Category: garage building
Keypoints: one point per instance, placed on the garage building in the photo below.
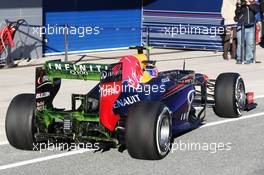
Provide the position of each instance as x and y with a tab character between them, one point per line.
111	24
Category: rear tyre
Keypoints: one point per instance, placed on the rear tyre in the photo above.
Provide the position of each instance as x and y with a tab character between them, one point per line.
230	96
148	131
19	122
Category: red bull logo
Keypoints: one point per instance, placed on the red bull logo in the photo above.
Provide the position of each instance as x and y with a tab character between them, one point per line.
116	69
132	71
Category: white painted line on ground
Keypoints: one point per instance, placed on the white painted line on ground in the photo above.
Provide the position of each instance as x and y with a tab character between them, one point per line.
4	143
42	159
233	120
259	96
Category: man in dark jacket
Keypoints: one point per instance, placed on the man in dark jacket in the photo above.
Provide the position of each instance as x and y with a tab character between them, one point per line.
245	15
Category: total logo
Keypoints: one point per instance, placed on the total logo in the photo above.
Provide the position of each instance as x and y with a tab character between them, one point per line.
127	101
110	89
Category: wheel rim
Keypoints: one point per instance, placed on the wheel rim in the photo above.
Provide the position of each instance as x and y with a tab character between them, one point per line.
240	96
163	133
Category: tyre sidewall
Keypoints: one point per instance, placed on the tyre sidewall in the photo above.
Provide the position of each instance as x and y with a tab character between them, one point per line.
141	130
225	95
20	121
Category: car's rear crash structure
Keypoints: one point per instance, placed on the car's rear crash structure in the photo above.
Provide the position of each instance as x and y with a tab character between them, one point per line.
127	117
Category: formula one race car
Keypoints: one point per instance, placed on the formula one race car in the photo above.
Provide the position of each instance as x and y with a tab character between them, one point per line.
132	107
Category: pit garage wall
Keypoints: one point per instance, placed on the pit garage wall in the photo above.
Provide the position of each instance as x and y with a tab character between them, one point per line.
110	24
28	44
165	17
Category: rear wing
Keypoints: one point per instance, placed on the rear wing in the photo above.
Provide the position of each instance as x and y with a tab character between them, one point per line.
48	78
48	82
67	70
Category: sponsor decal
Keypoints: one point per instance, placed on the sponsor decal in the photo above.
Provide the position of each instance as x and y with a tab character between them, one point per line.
165	80
42	95
109	94
76	69
190	98
73	72
127	101
42	79
116	69
132	71
40	105
106	74
110	89
113	74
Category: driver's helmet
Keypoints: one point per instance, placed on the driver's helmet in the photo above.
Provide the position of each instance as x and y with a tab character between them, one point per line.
152	71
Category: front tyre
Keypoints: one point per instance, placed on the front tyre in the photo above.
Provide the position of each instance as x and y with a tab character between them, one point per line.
148	131
230	95
19	121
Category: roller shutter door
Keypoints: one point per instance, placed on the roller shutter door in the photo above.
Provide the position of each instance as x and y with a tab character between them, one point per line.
93	25
170	20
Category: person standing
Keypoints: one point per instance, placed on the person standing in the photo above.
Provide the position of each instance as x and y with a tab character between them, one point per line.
246	16
261	3
229	37
258	26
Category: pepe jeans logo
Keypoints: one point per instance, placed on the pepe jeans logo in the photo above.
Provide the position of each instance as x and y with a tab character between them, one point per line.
42	95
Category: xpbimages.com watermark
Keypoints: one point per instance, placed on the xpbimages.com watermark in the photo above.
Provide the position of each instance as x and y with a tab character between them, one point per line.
172	31
55	146
213	147
212	31
112	89
80	31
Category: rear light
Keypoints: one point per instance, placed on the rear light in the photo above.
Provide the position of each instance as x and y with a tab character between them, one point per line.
250	97
206	78
250	102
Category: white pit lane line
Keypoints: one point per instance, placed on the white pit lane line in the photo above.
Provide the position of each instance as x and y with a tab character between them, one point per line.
42	159
56	156
232	120
260	96
3	143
